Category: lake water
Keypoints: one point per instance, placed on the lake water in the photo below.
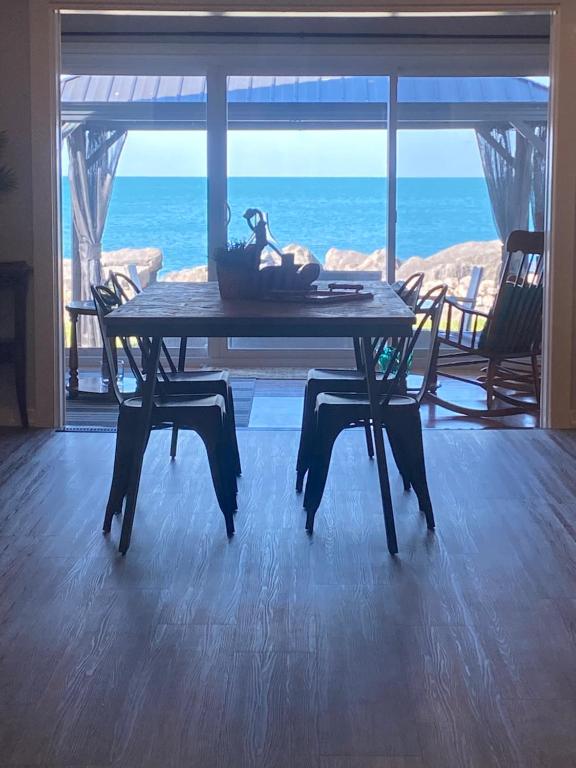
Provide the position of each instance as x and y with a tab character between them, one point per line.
320	213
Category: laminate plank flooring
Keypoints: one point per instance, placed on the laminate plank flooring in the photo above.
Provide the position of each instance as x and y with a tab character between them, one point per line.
275	649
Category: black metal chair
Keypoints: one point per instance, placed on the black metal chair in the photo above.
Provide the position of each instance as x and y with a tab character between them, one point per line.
409	289
179	381
400	414
342	380
204	414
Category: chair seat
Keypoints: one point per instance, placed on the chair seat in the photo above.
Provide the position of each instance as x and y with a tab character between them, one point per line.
453	338
327	374
339	378
180	401
359	401
199	376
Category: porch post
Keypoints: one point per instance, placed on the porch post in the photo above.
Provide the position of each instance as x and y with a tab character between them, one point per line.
392	178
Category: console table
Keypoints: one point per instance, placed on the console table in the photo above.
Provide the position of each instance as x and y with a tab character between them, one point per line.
14	278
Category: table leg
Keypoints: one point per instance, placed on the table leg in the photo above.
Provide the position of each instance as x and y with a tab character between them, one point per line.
374	398
73	358
140	440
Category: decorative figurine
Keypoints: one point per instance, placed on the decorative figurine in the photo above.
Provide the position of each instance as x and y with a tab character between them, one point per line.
288	276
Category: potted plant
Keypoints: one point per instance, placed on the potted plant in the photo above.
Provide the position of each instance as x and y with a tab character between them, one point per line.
237	268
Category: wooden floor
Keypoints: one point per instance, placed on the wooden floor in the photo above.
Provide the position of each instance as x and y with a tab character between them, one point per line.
276	650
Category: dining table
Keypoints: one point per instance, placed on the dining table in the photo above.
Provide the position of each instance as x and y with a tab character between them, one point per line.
179	309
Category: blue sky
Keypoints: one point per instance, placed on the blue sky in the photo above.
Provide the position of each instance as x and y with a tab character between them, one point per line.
451	153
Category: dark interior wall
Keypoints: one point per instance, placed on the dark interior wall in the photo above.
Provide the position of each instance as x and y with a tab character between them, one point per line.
16	208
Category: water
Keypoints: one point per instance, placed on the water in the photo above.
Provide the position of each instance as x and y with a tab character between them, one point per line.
320	213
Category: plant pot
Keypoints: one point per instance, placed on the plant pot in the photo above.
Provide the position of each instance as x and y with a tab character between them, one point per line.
237	283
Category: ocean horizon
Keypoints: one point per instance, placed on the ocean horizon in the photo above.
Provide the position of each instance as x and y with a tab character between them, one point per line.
317	212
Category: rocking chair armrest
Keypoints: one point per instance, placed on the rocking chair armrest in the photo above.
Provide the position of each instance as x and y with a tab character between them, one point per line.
462	300
462	328
453	302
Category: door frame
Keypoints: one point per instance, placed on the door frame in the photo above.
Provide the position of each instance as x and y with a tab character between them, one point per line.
558	364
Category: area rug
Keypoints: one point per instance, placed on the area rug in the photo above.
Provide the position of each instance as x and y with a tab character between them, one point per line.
100	415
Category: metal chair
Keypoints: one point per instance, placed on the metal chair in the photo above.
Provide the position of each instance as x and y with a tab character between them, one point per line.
204	414
400	414
505	342
342	380
179	381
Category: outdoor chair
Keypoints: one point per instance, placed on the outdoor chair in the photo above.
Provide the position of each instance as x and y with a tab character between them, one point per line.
504	343
343	380
203	414
400	415
179	381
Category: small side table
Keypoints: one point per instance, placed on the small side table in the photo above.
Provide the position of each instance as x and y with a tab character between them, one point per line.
14	276
75	310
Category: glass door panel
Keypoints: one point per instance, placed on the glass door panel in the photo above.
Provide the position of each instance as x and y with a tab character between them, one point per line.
471	157
311	153
133	193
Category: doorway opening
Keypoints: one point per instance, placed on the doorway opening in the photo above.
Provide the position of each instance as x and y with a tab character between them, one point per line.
374	170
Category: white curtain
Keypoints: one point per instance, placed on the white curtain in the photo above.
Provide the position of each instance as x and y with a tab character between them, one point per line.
94	154
507	162
538	185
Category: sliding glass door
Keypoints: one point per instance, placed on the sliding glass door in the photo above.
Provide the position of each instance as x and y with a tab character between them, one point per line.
369	176
310	152
134	192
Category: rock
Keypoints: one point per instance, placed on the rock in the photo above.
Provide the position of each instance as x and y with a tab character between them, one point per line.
302	255
188	275
453	266
148	262
344	259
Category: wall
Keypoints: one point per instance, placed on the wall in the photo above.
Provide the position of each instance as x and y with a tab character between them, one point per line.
16	240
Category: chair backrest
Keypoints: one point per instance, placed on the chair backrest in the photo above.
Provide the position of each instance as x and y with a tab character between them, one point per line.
105	301
124	287
524	261
474	284
409	290
428	313
135	277
515	323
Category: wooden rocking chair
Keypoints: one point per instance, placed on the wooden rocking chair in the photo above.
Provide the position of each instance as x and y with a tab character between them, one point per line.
505	342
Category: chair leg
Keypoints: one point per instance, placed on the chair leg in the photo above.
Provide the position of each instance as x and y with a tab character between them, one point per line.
231	418
215	437
490	374
216	459
325	434
407	432
369	442
305	445
402	461
174	442
132	496
123	458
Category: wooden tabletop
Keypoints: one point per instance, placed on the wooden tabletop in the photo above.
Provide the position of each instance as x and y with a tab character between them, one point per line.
196	309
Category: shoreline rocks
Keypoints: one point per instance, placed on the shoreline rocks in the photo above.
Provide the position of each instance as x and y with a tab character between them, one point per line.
451	265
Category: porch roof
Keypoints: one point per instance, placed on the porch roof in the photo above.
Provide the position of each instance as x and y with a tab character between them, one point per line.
167	101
